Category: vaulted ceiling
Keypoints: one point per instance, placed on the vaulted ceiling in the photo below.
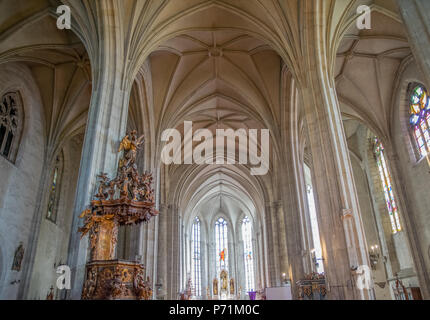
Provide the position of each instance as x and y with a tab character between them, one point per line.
218	79
367	65
217	63
58	61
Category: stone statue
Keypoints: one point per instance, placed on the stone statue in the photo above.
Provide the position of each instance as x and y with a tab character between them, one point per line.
215	286
232	286
17	260
224	281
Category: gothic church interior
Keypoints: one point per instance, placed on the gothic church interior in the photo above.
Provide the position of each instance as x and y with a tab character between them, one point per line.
342	212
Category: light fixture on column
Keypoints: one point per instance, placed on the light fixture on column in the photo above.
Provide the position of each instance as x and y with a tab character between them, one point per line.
374	256
284	280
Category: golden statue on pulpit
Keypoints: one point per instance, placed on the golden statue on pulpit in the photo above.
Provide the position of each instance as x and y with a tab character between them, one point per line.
232	287
130	144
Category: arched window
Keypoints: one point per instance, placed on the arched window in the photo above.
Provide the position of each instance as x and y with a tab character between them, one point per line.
385	176
221	245
420	119
10	125
248	254
316	251
196	263
54	192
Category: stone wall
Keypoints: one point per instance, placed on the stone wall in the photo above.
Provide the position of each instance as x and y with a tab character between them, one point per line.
20	180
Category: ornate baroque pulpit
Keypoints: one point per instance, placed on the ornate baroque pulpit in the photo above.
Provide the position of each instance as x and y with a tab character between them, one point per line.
313	287
128	199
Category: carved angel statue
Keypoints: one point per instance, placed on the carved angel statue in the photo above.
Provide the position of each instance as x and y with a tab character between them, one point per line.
130	144
142	288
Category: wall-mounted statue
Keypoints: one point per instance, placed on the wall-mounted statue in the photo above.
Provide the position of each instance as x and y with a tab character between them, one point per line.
215	287
19	255
224	280
50	295
232	286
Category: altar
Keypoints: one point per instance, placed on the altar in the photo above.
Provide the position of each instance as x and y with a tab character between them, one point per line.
222	288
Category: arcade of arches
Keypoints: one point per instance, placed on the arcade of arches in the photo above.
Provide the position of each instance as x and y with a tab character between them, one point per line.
348	113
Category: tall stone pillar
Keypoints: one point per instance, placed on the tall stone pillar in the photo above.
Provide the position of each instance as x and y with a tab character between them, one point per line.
416	18
162	253
282	238
173	253
272	246
342	236
341	231
107	120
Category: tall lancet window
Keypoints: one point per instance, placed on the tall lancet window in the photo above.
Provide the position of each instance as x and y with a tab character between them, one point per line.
387	185
54	192
221	245
248	254
420	119
316	250
196	256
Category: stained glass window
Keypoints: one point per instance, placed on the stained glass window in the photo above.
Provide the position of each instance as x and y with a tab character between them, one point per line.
248	254
196	264
420	119
387	185
54	190
221	245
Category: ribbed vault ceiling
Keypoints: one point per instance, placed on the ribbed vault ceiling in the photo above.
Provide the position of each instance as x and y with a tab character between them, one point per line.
218	79
367	67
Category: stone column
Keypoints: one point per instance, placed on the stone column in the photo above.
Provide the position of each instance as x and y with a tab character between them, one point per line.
339	218
282	238
342	236
173	253
106	125
416	18
162	252
272	246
